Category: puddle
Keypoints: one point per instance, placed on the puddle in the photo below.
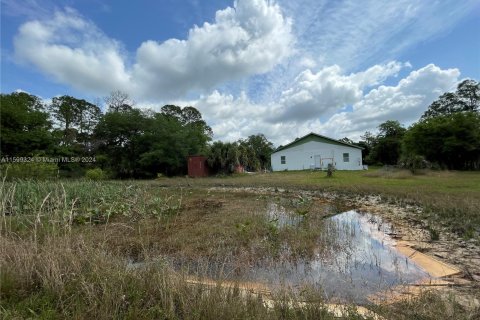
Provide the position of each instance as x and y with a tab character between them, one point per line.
283	217
360	261
355	259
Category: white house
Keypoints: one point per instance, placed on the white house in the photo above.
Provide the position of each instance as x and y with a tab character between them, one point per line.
315	151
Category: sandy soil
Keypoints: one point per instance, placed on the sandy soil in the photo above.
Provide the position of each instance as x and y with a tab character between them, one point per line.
460	258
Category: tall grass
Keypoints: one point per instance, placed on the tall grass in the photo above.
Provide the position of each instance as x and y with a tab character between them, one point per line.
57	205
52	267
56	257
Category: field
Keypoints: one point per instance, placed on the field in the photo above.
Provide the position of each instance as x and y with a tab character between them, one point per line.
131	249
451	199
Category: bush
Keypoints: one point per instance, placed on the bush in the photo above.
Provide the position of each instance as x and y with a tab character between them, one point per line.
29	170
95	174
414	163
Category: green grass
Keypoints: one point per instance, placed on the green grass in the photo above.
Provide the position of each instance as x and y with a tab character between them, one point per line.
449	182
451	199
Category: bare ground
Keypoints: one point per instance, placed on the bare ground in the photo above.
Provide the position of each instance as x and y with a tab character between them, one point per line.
409	229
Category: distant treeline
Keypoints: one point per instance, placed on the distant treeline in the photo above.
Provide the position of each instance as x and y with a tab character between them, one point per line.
71	136
447	136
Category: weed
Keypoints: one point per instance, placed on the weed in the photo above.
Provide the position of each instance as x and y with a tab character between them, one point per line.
65	246
434	234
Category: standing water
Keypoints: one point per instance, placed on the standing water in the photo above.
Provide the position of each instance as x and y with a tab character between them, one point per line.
355	257
361	260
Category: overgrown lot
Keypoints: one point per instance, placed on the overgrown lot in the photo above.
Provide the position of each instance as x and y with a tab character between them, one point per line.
450	199
70	249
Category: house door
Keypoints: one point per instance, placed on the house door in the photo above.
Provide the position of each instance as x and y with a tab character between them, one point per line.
318	161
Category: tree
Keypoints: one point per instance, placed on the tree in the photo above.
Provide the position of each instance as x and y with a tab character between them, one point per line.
195	131
390	128
387	147
451	140
448	133
188	116
468	92
253	153
138	144
247	156
169	143
256	151
172	111
25	125
367	143
223	156
346	140
465	99
76	119
118	101
120	135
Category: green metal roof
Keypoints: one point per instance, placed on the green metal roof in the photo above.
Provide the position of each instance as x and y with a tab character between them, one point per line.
315	137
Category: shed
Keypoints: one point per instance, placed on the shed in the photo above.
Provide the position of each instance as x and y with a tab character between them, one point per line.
314	151
197	166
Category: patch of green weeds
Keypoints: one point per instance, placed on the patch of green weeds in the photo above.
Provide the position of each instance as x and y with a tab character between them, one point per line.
434	233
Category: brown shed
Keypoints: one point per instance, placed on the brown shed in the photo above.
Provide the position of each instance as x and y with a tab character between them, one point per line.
197	166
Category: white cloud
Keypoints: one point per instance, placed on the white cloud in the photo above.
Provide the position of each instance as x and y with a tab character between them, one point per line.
233	118
73	51
230	118
289	75
357	34
316	94
405	102
224	106
250	38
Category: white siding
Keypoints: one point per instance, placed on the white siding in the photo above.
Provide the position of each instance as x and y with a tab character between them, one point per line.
302	157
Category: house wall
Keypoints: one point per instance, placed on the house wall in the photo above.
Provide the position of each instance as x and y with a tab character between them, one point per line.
302	157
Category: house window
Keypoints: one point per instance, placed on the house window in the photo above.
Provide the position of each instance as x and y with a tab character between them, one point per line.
346	157
283	160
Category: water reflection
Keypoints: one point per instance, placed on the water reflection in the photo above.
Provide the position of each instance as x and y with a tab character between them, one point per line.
283	217
355	258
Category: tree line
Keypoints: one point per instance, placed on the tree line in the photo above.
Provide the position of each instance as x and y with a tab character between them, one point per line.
127	142
446	136
123	141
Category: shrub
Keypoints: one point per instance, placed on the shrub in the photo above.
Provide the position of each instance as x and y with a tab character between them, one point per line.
95	174
29	170
414	163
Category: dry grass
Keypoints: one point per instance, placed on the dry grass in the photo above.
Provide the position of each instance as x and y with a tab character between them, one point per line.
65	247
74	277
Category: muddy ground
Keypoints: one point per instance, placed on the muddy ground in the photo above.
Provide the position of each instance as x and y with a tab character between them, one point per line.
409	229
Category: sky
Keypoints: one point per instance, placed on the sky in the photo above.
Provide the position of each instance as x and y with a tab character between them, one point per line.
282	68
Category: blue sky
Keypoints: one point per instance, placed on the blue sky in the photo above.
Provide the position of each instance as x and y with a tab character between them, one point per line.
282	68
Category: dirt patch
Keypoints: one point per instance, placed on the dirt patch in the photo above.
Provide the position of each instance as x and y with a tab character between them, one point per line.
458	258
434	267
449	250
205	204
